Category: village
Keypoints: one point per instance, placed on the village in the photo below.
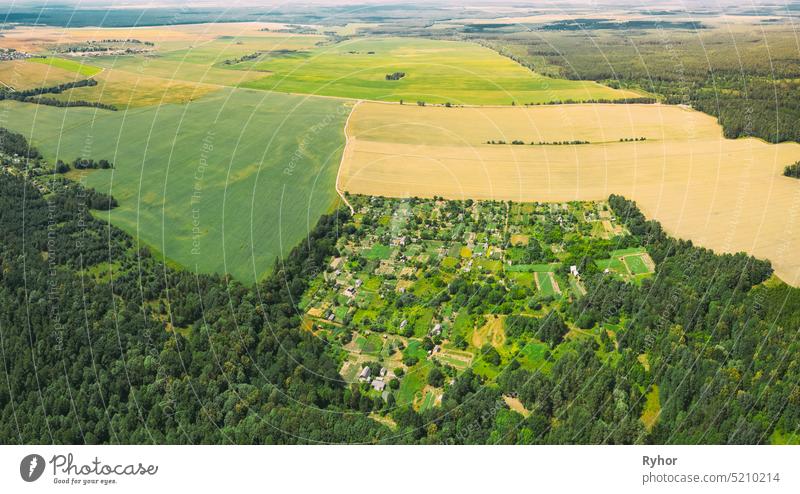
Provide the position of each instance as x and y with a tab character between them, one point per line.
422	289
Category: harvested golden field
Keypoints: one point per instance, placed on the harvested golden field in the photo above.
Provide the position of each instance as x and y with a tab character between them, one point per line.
729	195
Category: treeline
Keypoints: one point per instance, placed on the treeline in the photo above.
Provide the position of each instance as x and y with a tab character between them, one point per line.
623	101
35	95
83	164
518	142
12	143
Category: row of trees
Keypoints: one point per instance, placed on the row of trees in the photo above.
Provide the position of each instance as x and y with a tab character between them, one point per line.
83	164
36	95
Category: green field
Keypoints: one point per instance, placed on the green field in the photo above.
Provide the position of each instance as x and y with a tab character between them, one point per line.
412	383
546	284
532	268
612	264
435	72
428	401
66	64
636	264
533	355
228	183
370	344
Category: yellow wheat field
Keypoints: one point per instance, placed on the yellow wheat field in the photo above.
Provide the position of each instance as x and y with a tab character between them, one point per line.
724	194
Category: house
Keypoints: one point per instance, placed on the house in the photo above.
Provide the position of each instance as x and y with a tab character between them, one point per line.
383	371
437	330
364	374
573	270
359	283
403	323
378	384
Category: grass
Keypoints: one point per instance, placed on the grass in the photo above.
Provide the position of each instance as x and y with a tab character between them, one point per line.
532	268
436	72
20	75
128	90
223	184
652	408
412	383
378	251
415	349
546	284
370	344
428	401
534	352
68	64
636	264
612	264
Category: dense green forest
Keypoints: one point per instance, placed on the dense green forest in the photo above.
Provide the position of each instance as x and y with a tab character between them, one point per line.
749	78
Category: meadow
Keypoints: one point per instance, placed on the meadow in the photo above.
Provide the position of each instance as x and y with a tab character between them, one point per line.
228	183
435	72
729	195
69	65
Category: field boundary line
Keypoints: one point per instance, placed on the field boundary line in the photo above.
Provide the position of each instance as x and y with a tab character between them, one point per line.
344	155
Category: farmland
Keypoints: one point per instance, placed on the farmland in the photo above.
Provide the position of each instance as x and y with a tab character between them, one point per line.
435	72
21	74
68	65
183	64
225	184
728	195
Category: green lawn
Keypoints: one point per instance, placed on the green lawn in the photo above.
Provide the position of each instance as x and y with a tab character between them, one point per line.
546	284
370	344
628	251
415	349
533	354
412	383
435	72
613	264
378	251
428	401
66	64
636	264
228	183
532	268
